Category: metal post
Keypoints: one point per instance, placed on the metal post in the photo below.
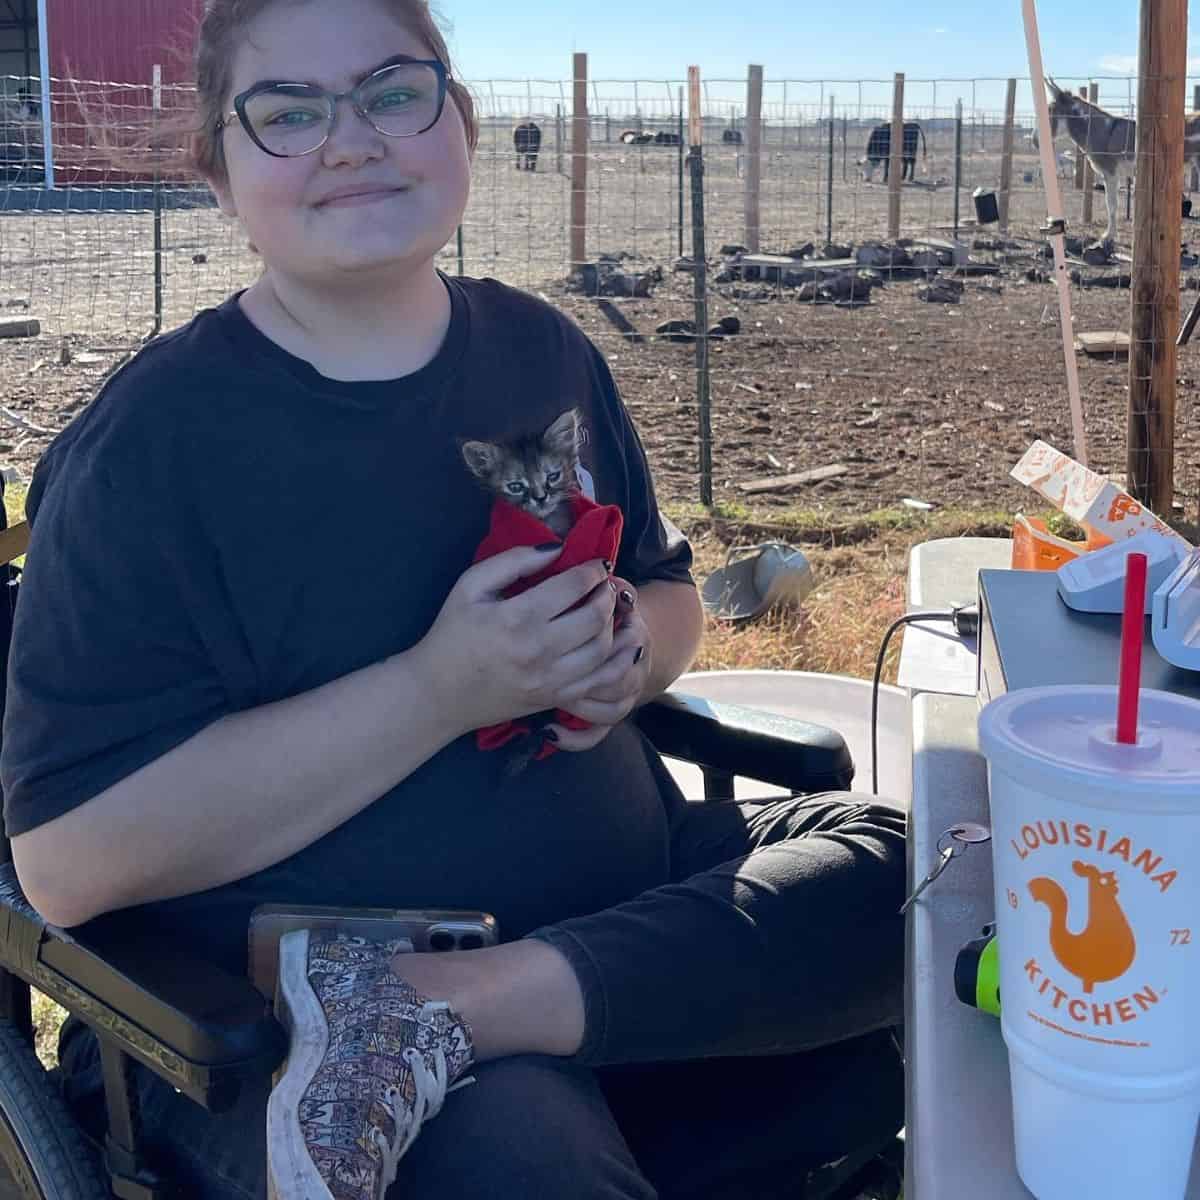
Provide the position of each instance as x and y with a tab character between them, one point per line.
26	44
47	119
158	238
462	270
958	140
844	133
896	162
700	287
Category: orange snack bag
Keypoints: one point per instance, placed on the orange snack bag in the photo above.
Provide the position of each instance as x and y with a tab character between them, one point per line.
1035	548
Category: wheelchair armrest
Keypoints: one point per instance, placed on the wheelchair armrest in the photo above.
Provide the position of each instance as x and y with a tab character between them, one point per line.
775	749
199	1027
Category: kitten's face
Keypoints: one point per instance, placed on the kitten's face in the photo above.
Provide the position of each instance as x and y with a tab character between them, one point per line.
535	473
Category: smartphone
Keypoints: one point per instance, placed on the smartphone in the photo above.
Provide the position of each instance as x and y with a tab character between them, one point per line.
429	930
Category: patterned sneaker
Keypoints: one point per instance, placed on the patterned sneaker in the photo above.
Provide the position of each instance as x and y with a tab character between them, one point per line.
369	1061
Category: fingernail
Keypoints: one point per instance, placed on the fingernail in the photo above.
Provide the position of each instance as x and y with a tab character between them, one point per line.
550	735
638	653
612	585
607	566
546	546
627	596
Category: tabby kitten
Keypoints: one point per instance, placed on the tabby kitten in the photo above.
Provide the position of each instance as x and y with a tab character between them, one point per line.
536	473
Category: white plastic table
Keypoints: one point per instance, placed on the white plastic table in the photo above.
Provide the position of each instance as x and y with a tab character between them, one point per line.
958	1119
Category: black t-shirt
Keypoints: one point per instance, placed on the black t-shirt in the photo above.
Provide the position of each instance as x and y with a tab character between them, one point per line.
225	527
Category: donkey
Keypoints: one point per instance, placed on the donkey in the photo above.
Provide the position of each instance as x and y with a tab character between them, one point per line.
1109	142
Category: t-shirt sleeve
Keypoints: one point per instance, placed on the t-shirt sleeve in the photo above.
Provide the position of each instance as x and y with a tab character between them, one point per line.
652	547
110	666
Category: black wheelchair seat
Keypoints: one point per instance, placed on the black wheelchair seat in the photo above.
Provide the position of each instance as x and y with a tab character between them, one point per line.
207	1032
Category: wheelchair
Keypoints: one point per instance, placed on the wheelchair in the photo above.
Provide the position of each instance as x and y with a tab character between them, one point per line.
207	1032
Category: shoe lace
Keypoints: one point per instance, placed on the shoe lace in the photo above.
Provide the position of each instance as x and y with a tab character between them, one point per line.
430	1088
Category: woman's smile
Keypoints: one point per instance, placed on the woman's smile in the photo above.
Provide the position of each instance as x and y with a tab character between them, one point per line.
355	199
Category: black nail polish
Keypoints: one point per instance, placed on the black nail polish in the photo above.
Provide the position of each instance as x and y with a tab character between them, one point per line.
638	655
608	566
547	546
550	735
627	597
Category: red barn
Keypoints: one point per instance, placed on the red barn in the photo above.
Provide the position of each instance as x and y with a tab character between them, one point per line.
100	56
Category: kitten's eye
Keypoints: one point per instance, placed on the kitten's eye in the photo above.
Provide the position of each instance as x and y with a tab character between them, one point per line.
553	476
515	488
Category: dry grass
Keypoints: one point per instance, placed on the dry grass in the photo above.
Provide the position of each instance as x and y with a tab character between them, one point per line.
860	571
859	592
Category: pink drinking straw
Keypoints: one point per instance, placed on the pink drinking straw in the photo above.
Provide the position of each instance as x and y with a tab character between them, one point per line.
1132	625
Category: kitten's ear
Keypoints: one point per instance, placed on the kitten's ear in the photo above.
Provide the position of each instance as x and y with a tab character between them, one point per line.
563	435
480	457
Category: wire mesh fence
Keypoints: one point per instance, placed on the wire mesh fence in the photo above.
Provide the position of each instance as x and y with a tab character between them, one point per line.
871	365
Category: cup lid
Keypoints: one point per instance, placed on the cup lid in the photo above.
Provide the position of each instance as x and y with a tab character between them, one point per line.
1070	732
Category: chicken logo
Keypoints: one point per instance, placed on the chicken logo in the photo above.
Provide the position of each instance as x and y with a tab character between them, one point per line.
1105	948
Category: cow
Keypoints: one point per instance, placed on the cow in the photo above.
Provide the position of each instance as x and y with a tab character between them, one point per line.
667	139
527	142
635	137
879	150
731	137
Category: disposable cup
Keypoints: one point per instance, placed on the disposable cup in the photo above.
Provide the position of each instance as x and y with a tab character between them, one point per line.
1096	853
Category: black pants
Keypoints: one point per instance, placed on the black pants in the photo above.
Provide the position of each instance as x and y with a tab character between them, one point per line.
737	1032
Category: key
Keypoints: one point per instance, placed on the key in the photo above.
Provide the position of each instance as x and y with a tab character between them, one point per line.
953	842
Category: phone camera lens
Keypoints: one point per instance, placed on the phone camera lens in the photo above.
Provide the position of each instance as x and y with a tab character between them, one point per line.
441	939
470	941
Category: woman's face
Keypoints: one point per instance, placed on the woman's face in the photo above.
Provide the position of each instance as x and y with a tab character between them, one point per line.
364	202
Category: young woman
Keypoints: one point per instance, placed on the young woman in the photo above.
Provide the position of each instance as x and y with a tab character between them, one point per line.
251	651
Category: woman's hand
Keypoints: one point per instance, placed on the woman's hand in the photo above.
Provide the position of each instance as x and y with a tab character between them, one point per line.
487	659
609	694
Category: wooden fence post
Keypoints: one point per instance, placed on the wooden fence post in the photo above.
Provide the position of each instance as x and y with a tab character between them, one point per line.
754	90
1154	296
1194	180
580	136
1080	161
1089	176
896	163
1006	153
958	140
829	180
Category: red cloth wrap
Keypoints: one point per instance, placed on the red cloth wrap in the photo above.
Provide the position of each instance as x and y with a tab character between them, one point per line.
596	533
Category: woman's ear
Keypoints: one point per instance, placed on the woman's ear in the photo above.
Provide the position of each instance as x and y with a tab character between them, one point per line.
221	190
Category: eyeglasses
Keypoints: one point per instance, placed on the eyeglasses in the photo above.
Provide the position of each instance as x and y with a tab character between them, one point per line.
288	120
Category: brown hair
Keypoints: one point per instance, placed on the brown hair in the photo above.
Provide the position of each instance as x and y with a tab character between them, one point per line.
220	30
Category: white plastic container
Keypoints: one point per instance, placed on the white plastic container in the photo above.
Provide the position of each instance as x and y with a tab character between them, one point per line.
836	701
1096	855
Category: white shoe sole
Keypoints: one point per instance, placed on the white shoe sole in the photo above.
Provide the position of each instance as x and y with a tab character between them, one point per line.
291	1172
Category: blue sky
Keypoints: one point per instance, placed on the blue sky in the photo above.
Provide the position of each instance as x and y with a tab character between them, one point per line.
800	39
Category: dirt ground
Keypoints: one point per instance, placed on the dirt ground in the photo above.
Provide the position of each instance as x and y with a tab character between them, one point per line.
931	402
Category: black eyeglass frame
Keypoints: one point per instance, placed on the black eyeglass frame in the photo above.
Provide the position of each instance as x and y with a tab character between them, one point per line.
332	98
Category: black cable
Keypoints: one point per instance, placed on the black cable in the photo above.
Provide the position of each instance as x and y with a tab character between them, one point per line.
964	618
